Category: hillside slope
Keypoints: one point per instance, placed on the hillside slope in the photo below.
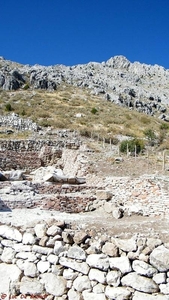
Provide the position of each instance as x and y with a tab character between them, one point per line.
135	85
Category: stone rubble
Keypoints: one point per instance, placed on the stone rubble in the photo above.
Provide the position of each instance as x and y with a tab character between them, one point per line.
65	270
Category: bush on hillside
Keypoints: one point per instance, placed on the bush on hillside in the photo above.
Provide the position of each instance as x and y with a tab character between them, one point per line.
8	107
131	145
151	136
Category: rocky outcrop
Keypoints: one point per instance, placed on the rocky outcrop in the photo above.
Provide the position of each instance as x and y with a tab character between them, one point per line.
134	85
51	258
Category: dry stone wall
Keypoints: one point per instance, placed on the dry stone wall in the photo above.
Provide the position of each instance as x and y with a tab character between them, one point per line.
31	154
50	258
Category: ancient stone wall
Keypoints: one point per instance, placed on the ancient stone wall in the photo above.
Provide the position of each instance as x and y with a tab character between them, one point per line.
140	196
31	154
51	258
146	195
37	144
64	198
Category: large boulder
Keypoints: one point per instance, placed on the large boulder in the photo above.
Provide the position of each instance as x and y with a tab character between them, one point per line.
140	283
8	273
159	258
54	285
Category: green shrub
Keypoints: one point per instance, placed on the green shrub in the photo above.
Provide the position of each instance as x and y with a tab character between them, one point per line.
8	107
150	135
94	110
131	144
164	126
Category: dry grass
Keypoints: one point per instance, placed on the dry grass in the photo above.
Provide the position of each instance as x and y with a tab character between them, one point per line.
71	107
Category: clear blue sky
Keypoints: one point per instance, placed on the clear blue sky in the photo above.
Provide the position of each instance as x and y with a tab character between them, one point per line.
70	32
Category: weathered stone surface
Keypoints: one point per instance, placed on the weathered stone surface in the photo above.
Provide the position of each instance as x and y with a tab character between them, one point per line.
108	207
69	274
99	261
54	230
159	258
126	245
113	278
99	288
19	247
43	266
8	273
26	255
10	233
97	275
82	283
95	248
76	252
103	195
30	269
67	237
160	278
7	243
42	250
53	259
7	255
117	213
88	296
153	243
122	263
164	288
110	249
30	286
80	237
55	285
141	296
120	293
40	230
142	268
81	267
16	175
20	264
74	295
28	238
59	247
140	283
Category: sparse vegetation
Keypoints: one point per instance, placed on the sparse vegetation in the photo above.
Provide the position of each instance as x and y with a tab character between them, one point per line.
99	117
151	136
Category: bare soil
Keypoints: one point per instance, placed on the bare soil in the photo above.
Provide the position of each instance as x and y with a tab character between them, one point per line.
95	222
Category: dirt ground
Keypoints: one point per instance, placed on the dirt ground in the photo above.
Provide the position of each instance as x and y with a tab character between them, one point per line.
103	164
95	222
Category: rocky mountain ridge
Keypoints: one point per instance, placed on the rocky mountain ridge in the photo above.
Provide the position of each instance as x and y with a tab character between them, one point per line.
138	86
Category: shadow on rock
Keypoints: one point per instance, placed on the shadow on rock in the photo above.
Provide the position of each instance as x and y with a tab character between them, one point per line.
3	206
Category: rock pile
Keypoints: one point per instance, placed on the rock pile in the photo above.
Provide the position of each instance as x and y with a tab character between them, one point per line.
14	121
50	258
